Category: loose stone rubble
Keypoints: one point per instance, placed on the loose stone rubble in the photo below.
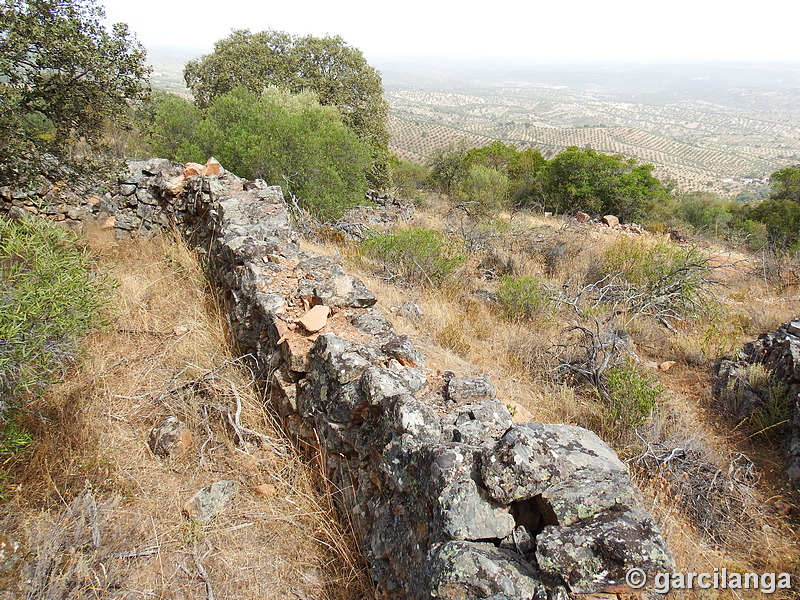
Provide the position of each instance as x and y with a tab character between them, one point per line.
449	498
779	353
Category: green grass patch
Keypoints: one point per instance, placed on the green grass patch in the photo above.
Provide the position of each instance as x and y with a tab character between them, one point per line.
632	396
525	297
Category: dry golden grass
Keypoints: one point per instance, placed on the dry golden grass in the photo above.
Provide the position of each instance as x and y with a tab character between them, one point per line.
100	516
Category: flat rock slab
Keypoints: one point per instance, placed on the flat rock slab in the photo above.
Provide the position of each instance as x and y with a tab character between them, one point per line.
531	457
463	389
473	570
584	496
211	500
611	220
315	318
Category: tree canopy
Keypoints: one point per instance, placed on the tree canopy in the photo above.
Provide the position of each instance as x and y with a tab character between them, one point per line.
600	183
781	211
62	75
283	138
338	74
786	184
574	180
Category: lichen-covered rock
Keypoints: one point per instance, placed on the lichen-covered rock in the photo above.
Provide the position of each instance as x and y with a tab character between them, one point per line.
170	438
466	512
410	310
594	555
586	494
479	423
477	571
460	509
531	457
379	383
340	360
408	414
347	291
461	389
401	348
372	322
211	500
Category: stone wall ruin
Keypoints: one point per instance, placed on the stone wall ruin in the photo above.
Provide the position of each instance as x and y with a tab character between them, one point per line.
448	496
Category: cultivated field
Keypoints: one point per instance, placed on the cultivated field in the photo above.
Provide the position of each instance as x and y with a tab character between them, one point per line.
697	131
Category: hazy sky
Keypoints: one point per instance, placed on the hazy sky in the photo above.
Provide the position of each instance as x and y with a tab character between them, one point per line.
555	29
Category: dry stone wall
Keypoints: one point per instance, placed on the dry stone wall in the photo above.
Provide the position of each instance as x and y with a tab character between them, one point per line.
448	496
745	396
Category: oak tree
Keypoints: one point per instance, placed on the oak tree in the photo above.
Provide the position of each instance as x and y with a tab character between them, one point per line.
63	74
335	72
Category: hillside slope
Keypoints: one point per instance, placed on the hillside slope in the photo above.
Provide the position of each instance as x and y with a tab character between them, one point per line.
100	516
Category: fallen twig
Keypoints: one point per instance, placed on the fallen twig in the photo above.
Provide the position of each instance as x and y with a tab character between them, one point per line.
203	574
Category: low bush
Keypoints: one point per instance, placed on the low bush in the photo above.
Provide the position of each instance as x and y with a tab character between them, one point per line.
49	299
525	297
659	280
416	255
632	397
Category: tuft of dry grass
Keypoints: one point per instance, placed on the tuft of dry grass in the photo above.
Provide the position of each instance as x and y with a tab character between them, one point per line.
99	516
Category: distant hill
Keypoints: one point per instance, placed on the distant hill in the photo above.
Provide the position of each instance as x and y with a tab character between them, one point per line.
706	126
168	66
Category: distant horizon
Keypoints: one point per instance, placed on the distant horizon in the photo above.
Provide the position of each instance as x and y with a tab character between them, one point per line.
517	60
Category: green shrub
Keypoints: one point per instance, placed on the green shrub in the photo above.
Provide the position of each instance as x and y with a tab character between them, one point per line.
408	178
632	397
174	128
286	139
600	184
752	234
417	255
524	297
49	299
707	213
781	217
447	165
485	188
